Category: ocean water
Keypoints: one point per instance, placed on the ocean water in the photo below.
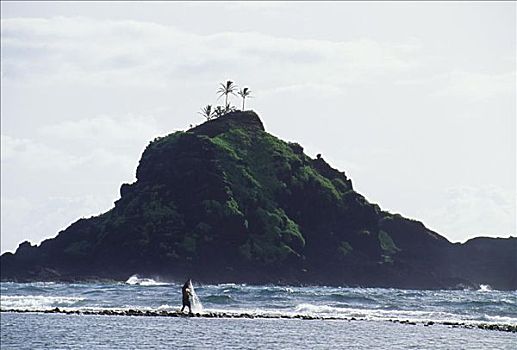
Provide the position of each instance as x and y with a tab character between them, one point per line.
253	317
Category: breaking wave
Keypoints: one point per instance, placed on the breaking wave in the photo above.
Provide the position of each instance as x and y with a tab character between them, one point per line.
37	302
135	280
484	288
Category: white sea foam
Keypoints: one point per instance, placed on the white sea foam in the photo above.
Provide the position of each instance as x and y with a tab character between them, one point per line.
501	319
41	303
196	303
135	280
325	311
166	307
310	308
376	314
484	288
36	302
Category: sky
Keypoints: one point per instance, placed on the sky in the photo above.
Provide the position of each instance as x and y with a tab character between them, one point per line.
416	102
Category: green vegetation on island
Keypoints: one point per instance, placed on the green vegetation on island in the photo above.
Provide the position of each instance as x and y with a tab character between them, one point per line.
227	201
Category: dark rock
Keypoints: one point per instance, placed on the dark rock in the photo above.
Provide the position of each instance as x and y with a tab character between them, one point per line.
492	327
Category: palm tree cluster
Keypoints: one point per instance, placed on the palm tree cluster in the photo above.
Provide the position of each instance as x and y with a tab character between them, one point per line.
225	89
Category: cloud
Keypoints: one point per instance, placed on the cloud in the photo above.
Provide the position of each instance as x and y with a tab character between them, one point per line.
71	148
30	156
33	155
477	86
252	5
33	219
469	211
467	85
107	52
69	169
322	90
103	130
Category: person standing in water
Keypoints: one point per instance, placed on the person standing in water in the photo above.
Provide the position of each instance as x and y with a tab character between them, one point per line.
186	294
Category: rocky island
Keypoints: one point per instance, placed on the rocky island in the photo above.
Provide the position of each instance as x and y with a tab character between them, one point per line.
228	202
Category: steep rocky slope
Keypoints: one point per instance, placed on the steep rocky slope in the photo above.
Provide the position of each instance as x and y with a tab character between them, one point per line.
227	201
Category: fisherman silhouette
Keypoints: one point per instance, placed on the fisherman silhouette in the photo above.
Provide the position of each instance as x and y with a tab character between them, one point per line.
186	294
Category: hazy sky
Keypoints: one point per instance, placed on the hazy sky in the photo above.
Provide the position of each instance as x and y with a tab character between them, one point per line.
416	102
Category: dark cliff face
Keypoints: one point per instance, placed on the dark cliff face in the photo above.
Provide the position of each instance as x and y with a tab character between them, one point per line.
491	261
226	201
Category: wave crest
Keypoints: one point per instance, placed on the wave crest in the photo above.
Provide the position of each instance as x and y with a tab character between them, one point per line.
37	302
484	288
135	280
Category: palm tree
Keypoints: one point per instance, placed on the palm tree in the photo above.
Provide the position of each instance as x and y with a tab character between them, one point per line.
244	93
227	89
207	112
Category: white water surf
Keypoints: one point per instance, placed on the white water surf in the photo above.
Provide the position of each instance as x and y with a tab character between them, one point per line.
195	302
135	280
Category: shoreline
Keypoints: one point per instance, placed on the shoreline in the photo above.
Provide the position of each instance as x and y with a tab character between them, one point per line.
218	314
